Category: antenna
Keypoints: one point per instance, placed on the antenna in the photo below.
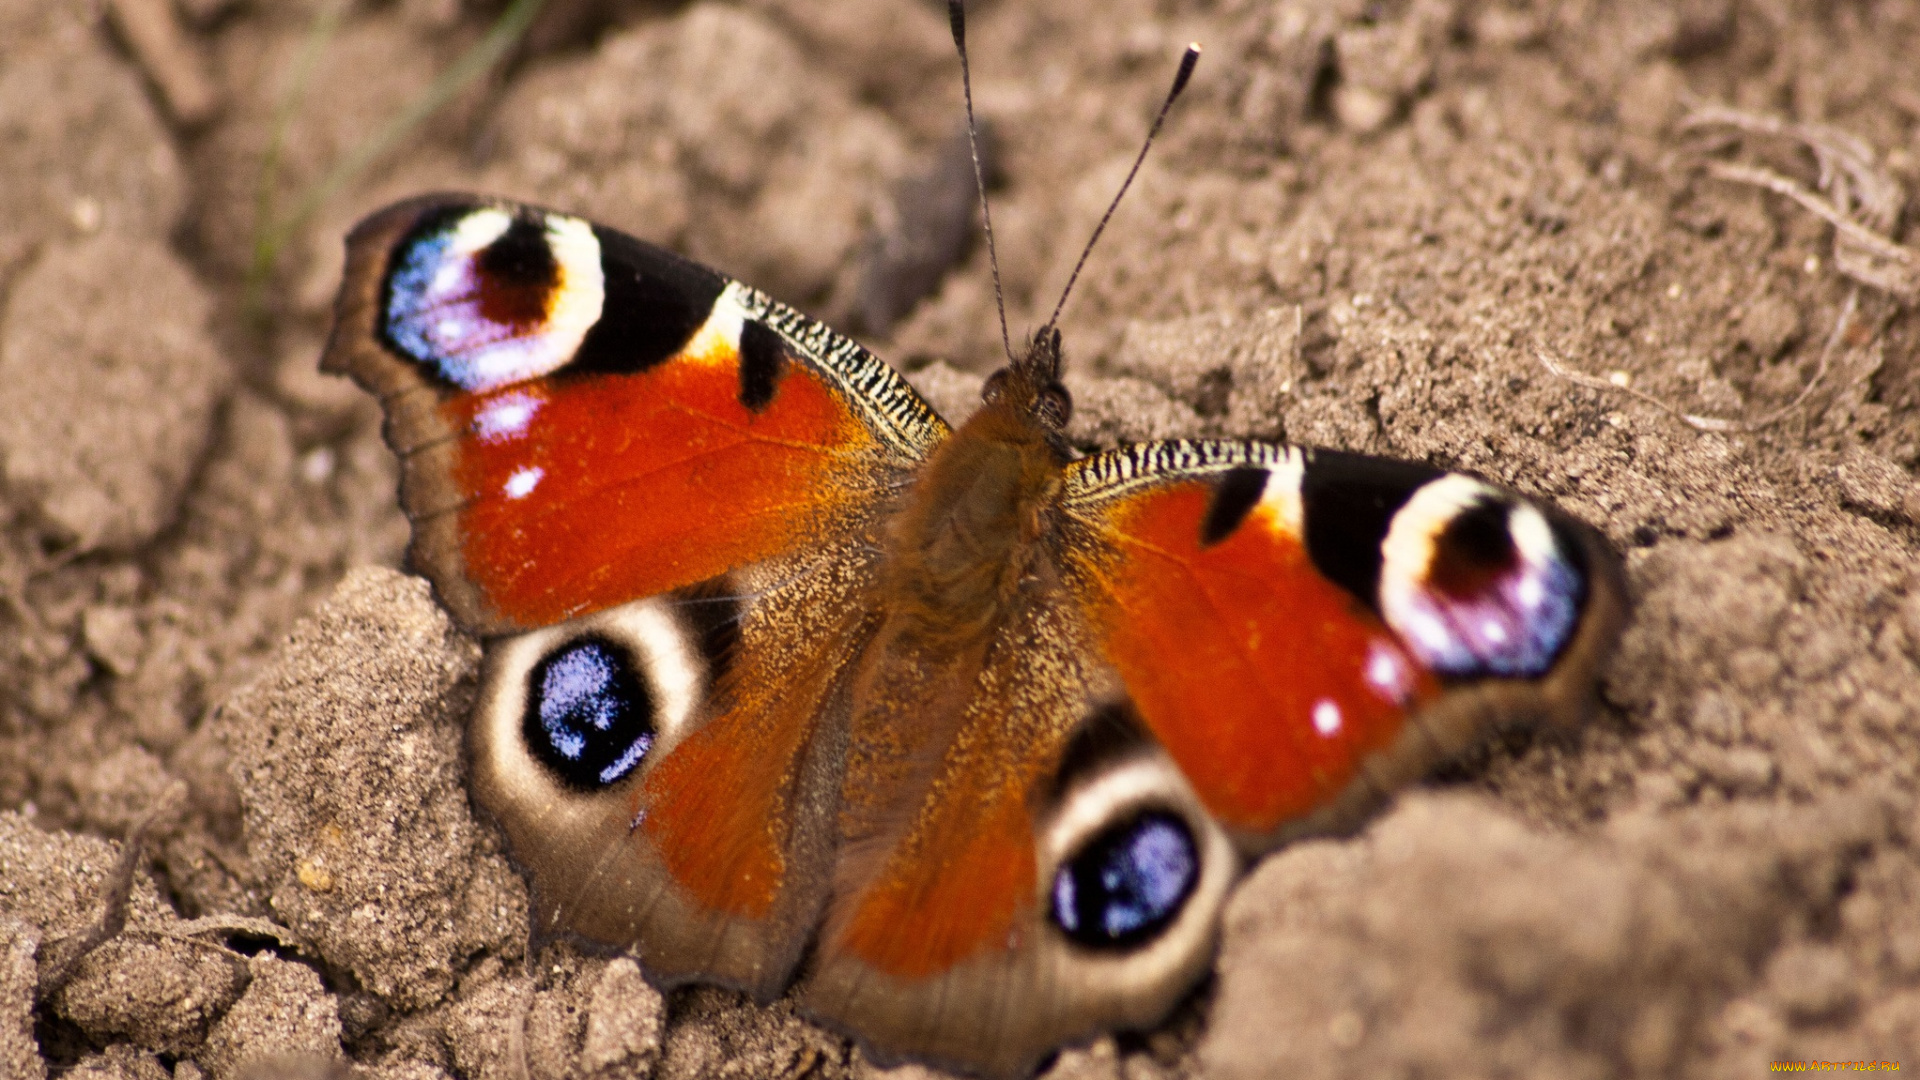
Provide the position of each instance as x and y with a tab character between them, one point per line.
1187	61
957	15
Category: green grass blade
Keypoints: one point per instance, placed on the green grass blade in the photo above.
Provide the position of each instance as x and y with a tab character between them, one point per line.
487	52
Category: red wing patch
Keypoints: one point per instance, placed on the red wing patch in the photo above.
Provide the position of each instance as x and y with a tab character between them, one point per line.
584	493
718	807
1265	681
960	881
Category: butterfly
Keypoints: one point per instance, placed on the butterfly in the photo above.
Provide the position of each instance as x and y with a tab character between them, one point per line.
956	734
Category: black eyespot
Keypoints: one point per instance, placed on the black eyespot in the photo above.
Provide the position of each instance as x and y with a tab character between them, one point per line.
520	266
1107	736
589	716
1234	497
655	302
711	613
1480	532
763	360
1129	883
1474	548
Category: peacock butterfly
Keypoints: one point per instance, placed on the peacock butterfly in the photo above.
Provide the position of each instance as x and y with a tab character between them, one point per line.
958	734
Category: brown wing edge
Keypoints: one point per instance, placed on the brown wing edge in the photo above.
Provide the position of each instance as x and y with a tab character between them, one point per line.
410	403
353	348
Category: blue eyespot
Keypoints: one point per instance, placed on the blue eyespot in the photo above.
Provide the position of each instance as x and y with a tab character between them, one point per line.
487	297
1479	584
589	717
1129	883
1508	609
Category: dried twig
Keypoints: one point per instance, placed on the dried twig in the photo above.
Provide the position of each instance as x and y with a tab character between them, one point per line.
516	1066
169	58
1846	161
295	1066
1862	203
1858	198
223	925
113	910
1716	423
1878	262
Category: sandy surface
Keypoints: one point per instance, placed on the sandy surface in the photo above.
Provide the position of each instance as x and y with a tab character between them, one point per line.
1364	228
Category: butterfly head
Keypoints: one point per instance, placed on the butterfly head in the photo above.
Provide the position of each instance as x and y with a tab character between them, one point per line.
1030	387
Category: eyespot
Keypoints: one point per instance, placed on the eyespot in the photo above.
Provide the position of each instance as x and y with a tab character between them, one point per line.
589	716
1473	550
1129	883
484	296
1477	583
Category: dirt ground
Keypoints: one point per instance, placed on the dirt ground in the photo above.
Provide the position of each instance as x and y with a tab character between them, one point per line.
1575	246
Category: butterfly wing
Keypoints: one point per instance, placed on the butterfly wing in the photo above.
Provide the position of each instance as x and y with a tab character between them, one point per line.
665	769
1230	644
1306	631
583	419
656	492
1033	871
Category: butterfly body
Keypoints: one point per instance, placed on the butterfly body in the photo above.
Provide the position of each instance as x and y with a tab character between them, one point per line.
970	534
955	734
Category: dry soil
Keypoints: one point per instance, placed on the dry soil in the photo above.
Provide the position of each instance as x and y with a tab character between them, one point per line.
1511	237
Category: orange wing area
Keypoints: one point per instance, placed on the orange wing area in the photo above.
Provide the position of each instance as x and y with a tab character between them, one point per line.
720	806
717	808
947	750
1266	682
960	884
934	808
584	493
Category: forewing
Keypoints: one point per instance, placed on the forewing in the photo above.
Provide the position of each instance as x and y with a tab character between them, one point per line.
1307	631
583	419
